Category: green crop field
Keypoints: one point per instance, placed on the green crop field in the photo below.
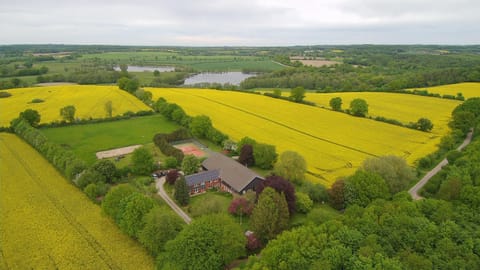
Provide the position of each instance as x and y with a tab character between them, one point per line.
198	63
47	223
86	140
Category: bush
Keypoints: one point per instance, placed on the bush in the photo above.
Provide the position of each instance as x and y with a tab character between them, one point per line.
4	94
37	100
170	163
304	203
453	155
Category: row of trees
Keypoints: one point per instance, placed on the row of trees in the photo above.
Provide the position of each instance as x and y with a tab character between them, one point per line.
140	217
199	126
359	107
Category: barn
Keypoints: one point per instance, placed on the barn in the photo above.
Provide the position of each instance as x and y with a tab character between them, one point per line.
223	173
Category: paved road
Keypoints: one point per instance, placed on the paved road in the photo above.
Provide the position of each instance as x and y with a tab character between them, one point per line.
159	183
414	190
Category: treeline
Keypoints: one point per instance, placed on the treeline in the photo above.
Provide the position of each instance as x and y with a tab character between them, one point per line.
199	126
29	71
346	77
64	160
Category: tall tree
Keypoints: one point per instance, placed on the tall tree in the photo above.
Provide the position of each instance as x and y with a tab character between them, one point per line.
336	194
106	168
291	166
182	192
245	140
359	107
142	161
210	242
265	155
297	94
281	185
108	108
31	116
68	113
246	155
137	206
336	103
172	177
270	215
190	164
424	124
394	170
200	125
363	187
160	227
111	202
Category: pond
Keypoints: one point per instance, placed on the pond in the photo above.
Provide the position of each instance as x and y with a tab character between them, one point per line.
147	68
233	77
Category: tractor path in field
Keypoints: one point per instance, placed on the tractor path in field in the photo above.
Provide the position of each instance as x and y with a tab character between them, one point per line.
414	190
161	191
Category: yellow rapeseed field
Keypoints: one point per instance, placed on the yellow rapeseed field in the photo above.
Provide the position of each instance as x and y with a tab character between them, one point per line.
467	89
89	101
402	107
333	144
47	223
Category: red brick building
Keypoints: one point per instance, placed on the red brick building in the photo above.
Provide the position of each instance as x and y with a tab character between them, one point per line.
223	173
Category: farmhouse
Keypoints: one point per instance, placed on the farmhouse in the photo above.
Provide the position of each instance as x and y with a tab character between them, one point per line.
223	173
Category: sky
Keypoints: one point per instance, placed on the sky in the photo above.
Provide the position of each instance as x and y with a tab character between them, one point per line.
240	22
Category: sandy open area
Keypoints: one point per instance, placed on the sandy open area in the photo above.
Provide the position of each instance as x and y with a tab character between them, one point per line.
117	151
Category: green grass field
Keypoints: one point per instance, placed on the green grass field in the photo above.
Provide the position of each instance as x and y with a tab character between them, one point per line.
86	140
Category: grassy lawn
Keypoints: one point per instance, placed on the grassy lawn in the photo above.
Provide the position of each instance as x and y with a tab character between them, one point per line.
208	203
86	140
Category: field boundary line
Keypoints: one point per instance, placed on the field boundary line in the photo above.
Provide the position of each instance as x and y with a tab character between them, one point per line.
286	126
91	241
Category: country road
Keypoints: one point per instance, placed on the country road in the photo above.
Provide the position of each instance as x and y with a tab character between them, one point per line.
414	190
161	191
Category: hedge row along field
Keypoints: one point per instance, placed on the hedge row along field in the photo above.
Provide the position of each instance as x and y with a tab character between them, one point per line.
89	101
46	223
468	90
333	144
401	107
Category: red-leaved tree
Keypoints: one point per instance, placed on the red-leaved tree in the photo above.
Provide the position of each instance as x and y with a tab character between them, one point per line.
240	206
246	155
281	186
172	176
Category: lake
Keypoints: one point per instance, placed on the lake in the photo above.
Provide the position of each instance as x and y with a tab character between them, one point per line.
233	77
145	68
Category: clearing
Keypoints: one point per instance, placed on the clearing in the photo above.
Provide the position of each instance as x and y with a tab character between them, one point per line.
47	223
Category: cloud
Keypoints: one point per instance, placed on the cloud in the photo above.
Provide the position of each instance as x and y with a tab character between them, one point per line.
236	22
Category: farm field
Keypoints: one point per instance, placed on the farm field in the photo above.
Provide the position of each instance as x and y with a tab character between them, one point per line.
471	89
86	140
89	101
198	63
402	107
47	223
332	143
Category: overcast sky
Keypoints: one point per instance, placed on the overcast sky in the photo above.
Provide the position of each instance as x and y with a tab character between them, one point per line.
240	22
